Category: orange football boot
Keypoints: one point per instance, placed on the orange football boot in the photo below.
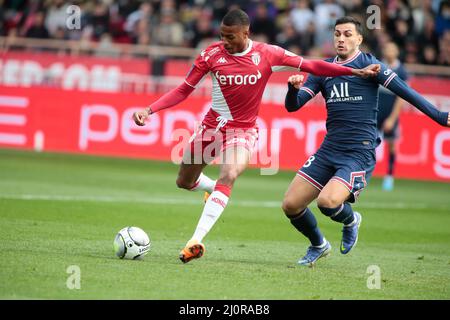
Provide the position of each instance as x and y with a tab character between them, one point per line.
193	250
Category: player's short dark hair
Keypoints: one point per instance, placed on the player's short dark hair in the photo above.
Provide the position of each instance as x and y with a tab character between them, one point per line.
236	17
348	19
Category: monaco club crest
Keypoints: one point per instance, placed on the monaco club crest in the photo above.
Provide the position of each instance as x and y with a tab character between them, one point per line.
256	58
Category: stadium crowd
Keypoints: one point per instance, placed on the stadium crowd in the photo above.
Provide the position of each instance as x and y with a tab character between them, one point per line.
421	28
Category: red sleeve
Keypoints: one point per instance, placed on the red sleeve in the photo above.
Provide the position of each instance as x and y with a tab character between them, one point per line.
323	68
280	58
172	97
198	70
175	96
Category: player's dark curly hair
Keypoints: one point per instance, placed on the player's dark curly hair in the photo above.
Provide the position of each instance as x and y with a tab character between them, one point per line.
348	19
236	17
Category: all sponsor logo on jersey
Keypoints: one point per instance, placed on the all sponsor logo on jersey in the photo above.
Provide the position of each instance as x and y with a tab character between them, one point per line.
256	58
237	79
340	93
343	92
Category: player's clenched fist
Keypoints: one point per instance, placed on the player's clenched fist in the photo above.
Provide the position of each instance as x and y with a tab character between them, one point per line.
296	80
139	117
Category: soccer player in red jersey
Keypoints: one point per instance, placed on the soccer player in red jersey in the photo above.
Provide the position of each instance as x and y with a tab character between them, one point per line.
240	69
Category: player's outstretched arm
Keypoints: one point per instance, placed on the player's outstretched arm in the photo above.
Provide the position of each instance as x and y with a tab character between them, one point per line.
327	69
400	88
170	99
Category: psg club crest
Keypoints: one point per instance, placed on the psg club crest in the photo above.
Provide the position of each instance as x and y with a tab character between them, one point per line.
256	58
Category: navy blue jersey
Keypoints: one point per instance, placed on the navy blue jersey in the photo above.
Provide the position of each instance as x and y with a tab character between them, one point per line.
387	98
352	103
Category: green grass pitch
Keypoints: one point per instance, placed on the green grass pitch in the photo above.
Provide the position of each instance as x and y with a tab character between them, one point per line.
58	211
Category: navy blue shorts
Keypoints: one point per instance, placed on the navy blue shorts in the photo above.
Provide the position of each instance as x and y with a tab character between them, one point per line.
352	168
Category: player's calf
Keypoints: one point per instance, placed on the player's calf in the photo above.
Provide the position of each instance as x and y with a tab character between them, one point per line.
342	213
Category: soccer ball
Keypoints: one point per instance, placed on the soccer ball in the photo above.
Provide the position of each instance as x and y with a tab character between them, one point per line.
131	243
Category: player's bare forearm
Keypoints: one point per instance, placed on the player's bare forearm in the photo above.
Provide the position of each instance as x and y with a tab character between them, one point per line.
369	71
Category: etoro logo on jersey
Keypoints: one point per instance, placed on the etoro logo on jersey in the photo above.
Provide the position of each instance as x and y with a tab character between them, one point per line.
238	79
340	93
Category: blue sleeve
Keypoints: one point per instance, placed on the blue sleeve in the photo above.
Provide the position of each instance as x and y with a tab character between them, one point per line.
386	74
312	86
297	98
400	88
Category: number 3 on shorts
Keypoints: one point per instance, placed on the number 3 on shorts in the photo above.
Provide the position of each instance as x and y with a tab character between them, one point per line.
309	161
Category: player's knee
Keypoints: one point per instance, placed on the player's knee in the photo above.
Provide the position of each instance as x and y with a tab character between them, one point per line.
289	208
328	201
229	177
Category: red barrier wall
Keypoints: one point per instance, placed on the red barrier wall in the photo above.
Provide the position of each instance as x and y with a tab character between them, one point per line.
100	123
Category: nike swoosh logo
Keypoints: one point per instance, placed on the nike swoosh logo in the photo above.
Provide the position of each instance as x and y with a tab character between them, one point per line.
342	247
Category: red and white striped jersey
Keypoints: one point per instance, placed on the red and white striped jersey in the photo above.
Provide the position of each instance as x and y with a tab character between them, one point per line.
239	80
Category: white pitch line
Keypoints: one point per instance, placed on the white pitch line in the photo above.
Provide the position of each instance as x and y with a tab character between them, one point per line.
239	203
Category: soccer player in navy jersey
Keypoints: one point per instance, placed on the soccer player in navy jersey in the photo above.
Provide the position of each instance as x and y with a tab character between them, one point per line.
389	107
240	69
342	166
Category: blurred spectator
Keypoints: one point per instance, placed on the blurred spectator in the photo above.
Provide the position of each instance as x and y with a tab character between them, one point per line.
443	18
200	28
2	20
141	20
99	20
428	35
169	32
106	47
400	33
418	27
38	29
421	14
411	53
444	48
302	16
399	10
352	7
289	39
56	16
326	14
262	23
429	55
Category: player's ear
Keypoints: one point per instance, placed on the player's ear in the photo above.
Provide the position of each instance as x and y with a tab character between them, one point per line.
360	39
246	31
